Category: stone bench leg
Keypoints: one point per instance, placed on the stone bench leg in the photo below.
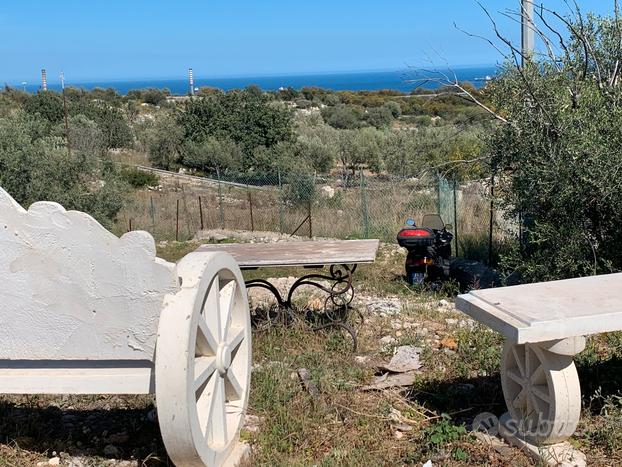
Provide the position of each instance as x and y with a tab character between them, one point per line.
541	390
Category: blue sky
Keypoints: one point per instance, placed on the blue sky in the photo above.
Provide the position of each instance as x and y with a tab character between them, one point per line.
138	39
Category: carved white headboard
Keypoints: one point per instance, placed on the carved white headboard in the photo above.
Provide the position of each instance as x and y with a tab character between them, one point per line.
71	290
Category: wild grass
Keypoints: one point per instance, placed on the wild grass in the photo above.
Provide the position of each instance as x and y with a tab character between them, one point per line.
341	425
378	210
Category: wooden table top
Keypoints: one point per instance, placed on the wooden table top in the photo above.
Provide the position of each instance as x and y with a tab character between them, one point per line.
549	310
302	253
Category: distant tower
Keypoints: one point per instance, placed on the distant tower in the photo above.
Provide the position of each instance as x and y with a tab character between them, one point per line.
44	80
191	81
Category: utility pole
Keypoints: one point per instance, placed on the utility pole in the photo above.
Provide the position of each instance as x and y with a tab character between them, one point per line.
62	85
528	35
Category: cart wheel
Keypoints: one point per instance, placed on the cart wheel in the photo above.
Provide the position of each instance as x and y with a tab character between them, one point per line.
203	361
541	391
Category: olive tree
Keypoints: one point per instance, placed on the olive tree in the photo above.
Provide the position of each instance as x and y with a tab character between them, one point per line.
316	153
379	117
46	104
343	117
85	135
557	153
35	166
246	117
213	155
163	140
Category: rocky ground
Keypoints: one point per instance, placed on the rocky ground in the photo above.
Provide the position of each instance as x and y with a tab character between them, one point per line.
422	371
225	235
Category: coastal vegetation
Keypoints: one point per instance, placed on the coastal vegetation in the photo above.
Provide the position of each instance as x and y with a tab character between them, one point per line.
552	165
541	147
245	132
304	130
557	163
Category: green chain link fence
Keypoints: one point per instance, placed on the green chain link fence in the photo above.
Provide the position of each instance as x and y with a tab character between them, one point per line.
354	205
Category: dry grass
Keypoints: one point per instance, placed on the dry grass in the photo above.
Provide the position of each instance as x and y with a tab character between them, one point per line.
343	216
35	428
343	425
346	426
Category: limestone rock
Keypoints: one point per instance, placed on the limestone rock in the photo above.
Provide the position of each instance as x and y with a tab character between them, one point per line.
327	191
406	359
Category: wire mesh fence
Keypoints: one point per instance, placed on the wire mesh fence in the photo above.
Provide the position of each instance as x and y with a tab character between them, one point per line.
358	205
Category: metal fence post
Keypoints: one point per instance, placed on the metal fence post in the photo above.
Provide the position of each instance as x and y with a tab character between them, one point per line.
455	219
177	223
364	206
220	206
186	211
438	193
310	221
250	207
281	209
201	213
152	213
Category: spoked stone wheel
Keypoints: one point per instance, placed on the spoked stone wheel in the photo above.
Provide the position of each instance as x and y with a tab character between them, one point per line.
203	362
541	391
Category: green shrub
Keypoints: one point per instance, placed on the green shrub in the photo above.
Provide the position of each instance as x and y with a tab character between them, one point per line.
155	96
47	105
303	104
139	178
298	190
343	116
380	117
35	166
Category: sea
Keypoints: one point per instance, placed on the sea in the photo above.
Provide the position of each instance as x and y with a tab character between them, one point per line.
400	80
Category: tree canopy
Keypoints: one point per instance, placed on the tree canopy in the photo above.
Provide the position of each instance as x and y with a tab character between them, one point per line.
558	156
34	166
248	118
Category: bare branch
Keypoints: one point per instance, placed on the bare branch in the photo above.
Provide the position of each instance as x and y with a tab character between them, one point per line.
485	39
479	103
587	49
515	54
562	43
547	42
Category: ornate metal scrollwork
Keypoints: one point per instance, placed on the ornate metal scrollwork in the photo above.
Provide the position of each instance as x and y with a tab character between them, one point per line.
340	294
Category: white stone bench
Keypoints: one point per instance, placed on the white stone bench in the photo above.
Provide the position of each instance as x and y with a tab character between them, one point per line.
85	312
545	325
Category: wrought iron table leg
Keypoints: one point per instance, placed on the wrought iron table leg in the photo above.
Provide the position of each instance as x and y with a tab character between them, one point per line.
340	295
264	284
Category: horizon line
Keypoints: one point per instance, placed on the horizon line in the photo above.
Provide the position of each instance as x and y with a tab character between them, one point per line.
69	82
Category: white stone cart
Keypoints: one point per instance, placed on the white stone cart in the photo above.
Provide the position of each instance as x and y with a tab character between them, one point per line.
85	312
545	325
